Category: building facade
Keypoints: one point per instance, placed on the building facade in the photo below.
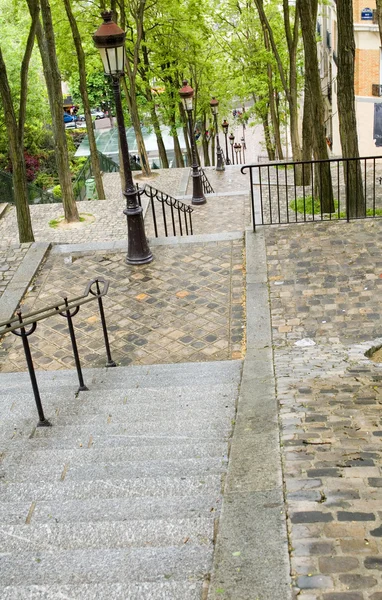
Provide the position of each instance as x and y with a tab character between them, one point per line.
367	76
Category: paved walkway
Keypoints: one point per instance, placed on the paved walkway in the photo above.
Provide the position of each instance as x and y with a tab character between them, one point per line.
11	257
325	283
185	306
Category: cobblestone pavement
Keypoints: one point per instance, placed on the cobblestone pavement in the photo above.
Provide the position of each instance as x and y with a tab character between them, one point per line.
186	306
11	256
166	180
325	283
220	214
230	180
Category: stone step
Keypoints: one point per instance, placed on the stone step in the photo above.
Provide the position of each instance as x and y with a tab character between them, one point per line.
159	487
183	374
53	537
159	590
112	509
105	566
111	471
98	453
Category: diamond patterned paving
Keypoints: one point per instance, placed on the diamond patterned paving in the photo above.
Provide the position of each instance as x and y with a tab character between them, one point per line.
184	306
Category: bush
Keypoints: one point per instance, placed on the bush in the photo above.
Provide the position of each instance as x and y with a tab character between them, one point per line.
44	181
57	191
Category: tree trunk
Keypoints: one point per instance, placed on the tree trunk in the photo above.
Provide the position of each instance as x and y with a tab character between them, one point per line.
185	132
271	95
149	97
206	156
16	152
307	135
290	88
45	38
85	101
308	14
134	115
346	110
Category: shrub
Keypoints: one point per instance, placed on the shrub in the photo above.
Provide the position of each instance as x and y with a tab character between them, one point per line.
57	191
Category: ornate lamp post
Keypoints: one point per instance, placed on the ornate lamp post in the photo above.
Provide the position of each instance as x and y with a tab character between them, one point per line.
187	95
219	152
225	126
243	147
237	148
110	41
232	141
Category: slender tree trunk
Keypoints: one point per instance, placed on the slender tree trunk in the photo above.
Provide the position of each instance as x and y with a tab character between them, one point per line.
85	101
271	95
379	17
290	88
45	38
308	15
185	132
307	135
205	142
149	96
134	115
16	152
346	109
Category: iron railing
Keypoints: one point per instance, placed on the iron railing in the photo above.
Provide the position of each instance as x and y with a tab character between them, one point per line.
36	195
79	185
207	187
177	220
67	308
340	189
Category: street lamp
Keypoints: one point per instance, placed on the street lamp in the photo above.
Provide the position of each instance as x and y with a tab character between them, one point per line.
219	152
225	126
237	148
187	95
243	147
231	138
110	41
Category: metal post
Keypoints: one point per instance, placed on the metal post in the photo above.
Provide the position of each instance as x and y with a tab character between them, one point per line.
243	147
197	187
138	251
219	152
110	361
69	316
233	157
43	422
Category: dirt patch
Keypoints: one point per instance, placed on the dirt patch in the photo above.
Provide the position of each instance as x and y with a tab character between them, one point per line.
377	355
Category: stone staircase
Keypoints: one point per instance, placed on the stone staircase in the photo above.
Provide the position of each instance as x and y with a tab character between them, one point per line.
120	499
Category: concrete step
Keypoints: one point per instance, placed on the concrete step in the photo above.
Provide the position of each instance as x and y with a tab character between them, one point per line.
101	452
183	374
54	537
112	509
106	565
159	487
159	590
111	471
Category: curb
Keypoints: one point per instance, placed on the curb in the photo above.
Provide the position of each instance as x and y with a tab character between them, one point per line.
17	287
251	560
121	245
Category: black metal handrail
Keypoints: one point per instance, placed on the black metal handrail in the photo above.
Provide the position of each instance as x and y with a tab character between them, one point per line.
178	209
332	189
68	309
36	195
207	187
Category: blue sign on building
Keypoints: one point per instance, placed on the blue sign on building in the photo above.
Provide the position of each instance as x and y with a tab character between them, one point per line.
367	14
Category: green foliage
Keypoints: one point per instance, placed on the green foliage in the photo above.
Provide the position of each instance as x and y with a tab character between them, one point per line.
313	207
57	191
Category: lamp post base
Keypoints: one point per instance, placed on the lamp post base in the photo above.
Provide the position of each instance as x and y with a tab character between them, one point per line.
138	251
197	187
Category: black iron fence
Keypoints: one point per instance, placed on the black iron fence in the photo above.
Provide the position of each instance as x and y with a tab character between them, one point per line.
36	195
174	217
338	189
24	325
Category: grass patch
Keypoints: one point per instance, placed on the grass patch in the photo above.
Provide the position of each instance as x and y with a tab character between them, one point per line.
54	223
313	206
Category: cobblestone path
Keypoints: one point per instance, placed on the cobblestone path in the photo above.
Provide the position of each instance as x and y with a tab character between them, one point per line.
187	305
11	257
325	283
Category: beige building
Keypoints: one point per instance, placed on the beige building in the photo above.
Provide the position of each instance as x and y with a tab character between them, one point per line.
368	80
